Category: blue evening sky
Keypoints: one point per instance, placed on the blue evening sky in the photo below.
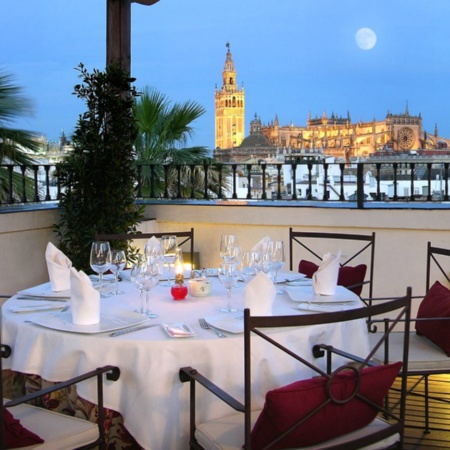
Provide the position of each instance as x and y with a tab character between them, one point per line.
293	56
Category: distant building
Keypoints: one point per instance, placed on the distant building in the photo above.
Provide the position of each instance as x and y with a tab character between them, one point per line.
229	108
326	135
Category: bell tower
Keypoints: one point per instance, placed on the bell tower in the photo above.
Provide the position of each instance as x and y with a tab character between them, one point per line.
229	108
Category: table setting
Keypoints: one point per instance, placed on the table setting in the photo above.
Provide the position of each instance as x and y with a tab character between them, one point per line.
150	340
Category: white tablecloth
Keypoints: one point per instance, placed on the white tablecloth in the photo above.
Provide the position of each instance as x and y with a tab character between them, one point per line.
149	395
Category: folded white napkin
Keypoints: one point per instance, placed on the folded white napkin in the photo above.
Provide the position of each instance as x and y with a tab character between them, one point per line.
325	279
85	300
261	246
153	244
58	266
259	295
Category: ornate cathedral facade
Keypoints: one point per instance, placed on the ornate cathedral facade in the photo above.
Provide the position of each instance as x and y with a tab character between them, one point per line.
330	135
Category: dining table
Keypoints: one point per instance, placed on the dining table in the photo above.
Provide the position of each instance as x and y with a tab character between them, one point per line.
149	395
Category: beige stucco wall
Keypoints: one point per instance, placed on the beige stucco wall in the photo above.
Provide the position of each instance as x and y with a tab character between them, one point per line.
401	237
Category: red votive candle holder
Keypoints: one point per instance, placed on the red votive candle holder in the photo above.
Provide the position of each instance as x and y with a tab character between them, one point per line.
179	290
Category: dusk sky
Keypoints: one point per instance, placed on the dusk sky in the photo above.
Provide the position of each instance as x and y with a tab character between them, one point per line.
293	57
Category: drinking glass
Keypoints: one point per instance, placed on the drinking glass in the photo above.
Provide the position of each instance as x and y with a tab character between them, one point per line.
169	244
118	261
100	261
137	281
263	261
230	251
149	278
248	266
228	276
276	252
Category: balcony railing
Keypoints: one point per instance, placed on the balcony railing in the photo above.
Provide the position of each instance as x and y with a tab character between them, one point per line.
399	181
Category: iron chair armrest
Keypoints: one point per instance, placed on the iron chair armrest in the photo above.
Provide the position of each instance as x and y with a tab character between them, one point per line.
112	373
192	375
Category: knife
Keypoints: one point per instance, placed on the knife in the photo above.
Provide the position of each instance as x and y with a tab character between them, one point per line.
131	329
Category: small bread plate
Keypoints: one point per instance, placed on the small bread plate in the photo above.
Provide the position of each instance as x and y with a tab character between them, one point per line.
178	329
44	291
306	295
315	307
300	282
233	322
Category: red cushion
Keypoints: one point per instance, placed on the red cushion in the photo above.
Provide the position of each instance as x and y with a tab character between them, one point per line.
286	405
16	435
348	275
307	267
436	303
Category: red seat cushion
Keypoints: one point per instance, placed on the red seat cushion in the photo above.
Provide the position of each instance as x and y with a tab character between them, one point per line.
348	275
16	435
436	303
286	405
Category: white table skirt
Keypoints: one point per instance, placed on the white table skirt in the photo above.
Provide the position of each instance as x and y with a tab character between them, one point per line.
149	395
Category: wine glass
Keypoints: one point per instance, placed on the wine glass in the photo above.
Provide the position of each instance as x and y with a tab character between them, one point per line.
169	244
263	261
118	261
100	261
248	266
228	276
276	252
137	281
230	251
148	277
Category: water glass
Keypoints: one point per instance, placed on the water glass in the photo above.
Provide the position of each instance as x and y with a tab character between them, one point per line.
100	261
228	276
118	261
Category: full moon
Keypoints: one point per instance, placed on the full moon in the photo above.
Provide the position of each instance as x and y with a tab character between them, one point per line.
366	38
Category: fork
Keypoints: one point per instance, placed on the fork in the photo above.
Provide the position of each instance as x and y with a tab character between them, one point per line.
204	324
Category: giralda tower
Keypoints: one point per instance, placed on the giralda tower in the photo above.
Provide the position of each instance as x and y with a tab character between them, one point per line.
229	108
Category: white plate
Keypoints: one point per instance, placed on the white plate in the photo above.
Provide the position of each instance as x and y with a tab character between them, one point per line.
178	330
62	321
233	323
212	272
44	291
305	294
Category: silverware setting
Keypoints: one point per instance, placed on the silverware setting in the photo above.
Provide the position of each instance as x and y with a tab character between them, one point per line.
43	298
206	326
132	329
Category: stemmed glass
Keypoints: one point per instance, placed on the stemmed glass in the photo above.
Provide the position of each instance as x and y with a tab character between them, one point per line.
228	276
230	251
276	252
137	281
169	244
118	261
248	266
100	261
149	278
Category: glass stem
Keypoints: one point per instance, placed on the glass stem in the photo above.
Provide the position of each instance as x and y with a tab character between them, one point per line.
229	299
117	282
100	280
141	300
146	302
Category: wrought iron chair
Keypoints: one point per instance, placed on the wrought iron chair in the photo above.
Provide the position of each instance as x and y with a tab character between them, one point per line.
298	415
183	238
359	248
57	430
426	358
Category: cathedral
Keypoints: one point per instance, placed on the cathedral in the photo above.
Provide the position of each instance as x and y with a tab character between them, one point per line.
327	135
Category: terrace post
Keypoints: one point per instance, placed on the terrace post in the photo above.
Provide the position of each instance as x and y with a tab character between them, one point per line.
360	185
118	31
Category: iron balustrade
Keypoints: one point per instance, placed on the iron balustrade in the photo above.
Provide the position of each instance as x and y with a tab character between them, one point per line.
320	181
